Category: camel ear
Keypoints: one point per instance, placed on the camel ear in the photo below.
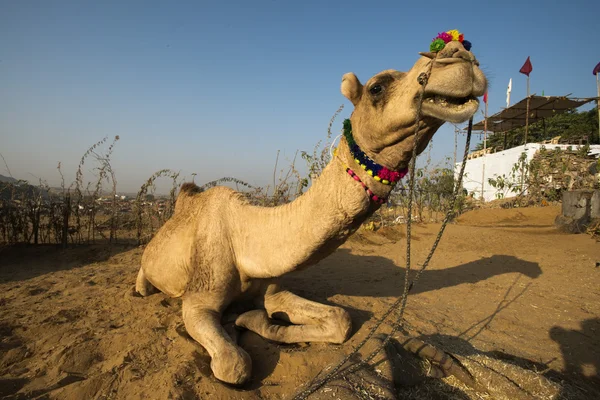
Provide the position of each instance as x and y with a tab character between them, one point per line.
351	88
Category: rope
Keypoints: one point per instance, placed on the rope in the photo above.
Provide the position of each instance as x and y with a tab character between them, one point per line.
401	301
331	151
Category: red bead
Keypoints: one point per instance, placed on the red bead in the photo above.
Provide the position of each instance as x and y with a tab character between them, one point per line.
371	195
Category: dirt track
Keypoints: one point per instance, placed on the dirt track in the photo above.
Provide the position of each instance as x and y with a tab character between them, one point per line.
504	285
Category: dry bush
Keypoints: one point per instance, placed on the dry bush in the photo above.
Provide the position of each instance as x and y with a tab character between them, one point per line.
150	214
432	198
89	210
42	215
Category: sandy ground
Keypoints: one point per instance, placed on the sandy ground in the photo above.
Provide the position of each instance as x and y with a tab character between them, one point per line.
504	287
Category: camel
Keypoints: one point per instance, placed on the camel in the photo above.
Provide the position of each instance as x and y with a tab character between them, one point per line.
218	250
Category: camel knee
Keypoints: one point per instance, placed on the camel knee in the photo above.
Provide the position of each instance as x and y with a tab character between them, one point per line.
340	325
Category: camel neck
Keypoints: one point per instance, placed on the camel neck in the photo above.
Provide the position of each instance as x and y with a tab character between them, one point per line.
299	234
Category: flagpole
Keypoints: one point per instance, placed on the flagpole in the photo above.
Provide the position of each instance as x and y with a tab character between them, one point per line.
527	115
508	93
598	105
484	151
525	69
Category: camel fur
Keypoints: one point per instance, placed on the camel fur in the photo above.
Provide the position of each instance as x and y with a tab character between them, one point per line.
217	249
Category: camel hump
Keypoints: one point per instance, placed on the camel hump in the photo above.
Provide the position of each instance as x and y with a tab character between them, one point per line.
190	188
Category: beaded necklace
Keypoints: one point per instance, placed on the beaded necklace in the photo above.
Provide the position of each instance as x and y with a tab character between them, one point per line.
377	171
376	199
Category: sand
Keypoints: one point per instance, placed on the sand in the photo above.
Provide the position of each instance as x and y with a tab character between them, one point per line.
505	292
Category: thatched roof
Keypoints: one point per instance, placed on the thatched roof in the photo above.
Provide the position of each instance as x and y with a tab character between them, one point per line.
540	107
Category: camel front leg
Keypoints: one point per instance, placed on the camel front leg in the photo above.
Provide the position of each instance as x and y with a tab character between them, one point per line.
313	322
229	362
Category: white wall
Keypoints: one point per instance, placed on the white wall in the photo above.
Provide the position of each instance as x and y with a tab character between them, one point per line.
501	163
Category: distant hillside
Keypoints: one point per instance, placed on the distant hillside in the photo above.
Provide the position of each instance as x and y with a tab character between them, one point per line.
7	179
10	187
53	191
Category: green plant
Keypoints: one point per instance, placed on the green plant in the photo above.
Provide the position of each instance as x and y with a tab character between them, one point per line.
433	193
514	182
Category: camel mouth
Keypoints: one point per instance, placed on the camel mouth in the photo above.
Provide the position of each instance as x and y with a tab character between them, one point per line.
449	108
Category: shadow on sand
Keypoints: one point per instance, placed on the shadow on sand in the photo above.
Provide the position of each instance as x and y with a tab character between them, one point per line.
581	353
21	262
374	276
348	274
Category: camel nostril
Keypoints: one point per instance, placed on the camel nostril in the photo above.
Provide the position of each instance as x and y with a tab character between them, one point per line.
464	54
449	52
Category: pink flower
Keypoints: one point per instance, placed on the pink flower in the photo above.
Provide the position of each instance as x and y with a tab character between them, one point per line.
394	176
388	175
445	36
384	174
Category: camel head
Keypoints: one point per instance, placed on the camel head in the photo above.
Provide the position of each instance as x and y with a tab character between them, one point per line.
385	107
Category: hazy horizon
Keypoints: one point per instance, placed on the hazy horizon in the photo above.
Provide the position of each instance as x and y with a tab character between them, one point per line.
218	89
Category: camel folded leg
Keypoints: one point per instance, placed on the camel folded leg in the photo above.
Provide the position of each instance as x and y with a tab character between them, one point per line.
229	362
313	322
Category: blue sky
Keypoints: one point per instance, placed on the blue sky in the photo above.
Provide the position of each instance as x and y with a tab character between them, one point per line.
217	88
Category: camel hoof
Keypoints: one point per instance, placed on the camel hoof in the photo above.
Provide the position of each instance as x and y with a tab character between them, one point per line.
254	320
146	289
234	368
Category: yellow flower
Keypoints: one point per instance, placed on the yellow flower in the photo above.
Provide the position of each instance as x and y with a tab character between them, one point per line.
454	33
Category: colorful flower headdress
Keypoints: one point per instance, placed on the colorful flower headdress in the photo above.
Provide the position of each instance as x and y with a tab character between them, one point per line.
439	42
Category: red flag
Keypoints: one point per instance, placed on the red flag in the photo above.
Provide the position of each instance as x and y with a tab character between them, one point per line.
596	69
485	95
526	68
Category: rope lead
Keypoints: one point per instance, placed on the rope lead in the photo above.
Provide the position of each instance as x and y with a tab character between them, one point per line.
422	79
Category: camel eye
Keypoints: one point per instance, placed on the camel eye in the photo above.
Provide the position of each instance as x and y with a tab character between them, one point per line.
376	89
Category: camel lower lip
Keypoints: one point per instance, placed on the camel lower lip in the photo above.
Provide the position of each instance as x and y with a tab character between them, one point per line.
450	109
447	101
